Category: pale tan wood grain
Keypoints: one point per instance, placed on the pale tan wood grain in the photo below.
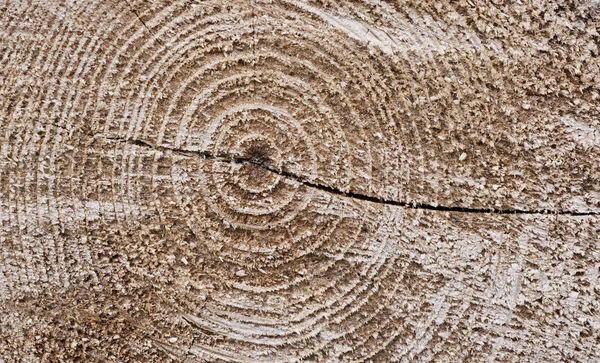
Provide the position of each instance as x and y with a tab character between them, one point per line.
289	181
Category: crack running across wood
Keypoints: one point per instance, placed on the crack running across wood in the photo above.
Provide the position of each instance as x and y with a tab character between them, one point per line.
348	194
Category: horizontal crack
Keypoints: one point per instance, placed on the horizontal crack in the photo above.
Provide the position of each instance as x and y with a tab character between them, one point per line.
424	206
326	188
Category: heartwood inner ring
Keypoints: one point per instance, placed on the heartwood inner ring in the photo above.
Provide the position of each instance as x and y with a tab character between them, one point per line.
259	154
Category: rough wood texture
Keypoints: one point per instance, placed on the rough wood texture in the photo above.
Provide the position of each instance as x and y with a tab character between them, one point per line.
318	181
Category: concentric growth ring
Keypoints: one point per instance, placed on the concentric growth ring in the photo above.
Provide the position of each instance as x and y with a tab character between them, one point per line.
274	103
250	97
261	91
257	197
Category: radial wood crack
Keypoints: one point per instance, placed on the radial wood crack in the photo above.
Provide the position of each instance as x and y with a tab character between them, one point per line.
137	15
348	194
299	181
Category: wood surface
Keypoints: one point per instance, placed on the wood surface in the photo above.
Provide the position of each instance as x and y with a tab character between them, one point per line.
294	180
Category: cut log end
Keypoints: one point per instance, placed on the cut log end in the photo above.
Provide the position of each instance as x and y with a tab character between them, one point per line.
288	181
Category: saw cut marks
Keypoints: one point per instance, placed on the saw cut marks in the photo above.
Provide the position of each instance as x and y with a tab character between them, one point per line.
286	181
